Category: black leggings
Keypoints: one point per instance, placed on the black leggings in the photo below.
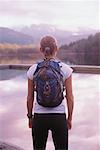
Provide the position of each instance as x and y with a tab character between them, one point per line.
57	123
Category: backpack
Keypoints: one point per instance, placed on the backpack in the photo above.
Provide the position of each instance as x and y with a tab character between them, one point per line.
49	83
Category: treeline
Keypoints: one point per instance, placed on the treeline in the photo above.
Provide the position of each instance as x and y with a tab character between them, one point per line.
14	53
84	51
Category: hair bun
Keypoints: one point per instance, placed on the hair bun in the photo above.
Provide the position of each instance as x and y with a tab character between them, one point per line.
47	48
47	51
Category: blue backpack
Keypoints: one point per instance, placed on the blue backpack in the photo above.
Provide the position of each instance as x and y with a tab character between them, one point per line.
49	83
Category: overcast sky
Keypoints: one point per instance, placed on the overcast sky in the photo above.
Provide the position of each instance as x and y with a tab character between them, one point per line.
65	14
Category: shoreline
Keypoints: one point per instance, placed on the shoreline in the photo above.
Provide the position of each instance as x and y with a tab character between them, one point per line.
76	68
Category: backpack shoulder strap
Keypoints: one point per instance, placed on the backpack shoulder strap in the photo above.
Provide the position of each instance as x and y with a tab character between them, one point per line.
38	68
55	66
39	65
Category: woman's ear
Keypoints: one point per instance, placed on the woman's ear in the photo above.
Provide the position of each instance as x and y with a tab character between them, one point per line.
41	49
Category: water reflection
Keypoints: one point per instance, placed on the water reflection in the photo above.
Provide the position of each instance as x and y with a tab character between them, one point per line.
13	121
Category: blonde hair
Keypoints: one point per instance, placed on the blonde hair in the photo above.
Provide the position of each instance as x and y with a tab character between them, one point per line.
48	45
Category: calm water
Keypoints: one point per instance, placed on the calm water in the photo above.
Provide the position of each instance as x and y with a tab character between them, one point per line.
85	134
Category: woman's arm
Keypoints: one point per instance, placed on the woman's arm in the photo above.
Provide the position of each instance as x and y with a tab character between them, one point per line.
69	99
30	100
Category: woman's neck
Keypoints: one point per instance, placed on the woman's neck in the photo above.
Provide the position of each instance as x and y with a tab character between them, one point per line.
52	57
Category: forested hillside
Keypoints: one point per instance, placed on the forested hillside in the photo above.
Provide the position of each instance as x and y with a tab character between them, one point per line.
84	51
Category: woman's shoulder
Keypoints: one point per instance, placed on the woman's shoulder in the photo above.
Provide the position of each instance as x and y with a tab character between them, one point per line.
33	66
65	66
66	70
31	71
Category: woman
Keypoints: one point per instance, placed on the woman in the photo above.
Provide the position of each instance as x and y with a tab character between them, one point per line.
50	118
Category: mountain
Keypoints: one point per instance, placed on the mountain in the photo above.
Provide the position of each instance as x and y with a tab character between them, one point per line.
63	36
33	34
11	36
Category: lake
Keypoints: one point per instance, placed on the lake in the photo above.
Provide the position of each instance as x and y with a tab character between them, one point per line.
85	133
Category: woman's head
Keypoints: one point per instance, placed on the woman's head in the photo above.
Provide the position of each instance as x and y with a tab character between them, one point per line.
48	46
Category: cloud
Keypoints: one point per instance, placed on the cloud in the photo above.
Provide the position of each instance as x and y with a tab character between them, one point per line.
61	13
